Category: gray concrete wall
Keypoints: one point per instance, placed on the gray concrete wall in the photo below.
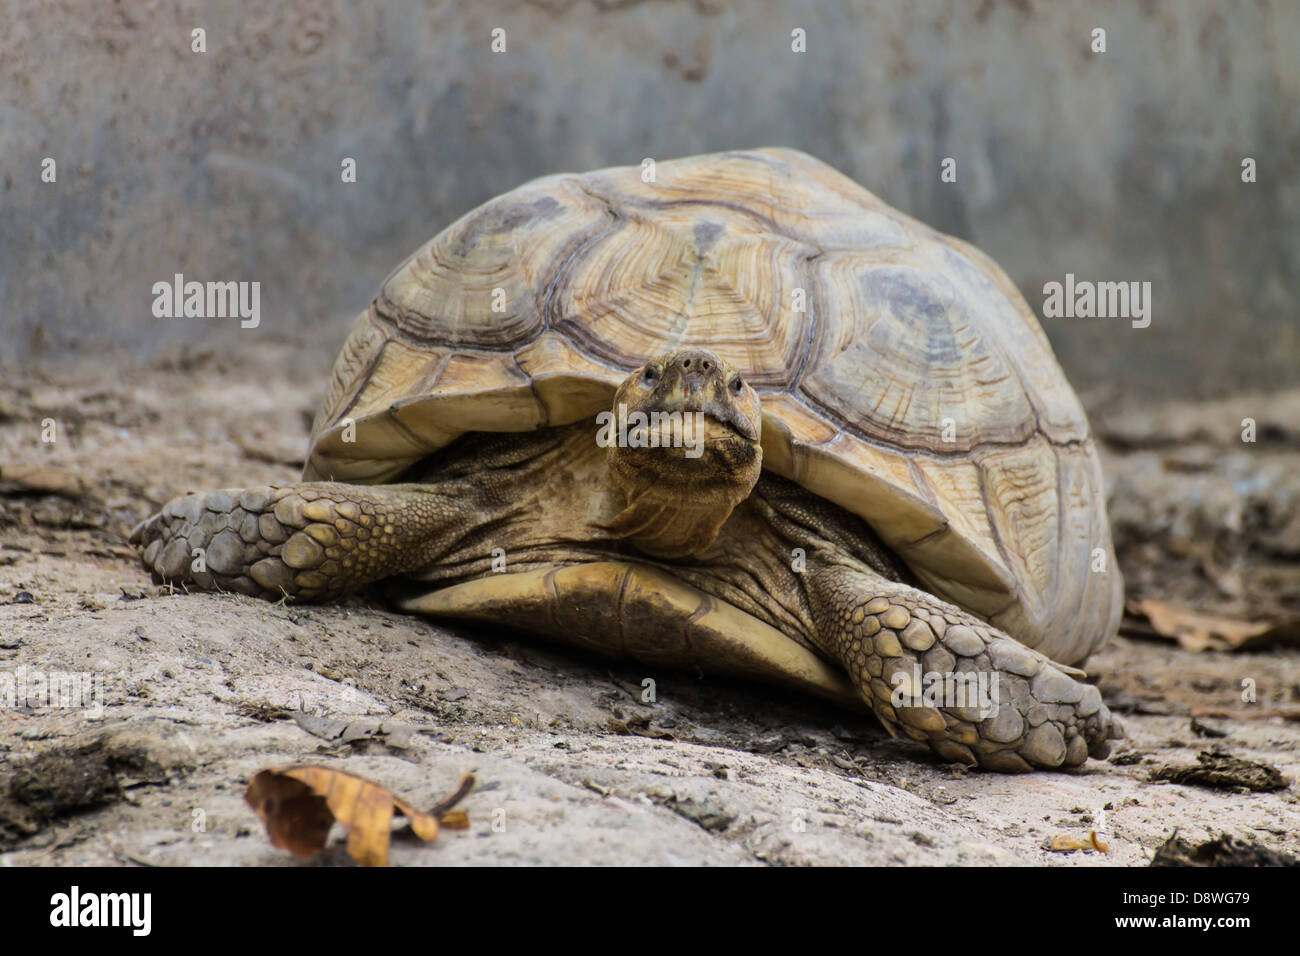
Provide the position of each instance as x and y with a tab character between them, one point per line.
1123	165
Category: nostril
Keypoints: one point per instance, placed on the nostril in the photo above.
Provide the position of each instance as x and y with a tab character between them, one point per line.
686	363
706	365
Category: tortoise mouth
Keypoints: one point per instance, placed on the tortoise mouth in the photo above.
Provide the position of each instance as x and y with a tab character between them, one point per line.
735	425
719	413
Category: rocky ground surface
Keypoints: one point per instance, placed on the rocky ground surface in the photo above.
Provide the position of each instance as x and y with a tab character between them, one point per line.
200	691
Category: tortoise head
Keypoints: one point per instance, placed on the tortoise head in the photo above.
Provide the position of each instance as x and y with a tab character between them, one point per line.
683	447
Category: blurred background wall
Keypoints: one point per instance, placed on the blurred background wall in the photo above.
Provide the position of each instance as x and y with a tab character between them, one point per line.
226	165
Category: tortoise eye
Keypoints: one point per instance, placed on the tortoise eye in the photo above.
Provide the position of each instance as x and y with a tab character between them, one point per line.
737	385
650	375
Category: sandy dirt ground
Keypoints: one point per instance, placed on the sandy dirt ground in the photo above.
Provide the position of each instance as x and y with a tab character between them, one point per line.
200	691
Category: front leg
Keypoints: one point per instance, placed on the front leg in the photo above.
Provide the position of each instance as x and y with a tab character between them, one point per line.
309	542
944	677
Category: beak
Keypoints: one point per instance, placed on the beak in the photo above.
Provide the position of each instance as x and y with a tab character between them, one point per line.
681	400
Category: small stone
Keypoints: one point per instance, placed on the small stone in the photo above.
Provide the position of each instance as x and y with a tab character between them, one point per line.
1044	746
960	639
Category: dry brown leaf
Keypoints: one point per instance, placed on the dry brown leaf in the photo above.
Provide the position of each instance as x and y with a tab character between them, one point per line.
1068	844
299	804
1197	631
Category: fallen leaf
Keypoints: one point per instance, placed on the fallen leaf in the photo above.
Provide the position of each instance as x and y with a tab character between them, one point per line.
299	804
1068	844
1197	631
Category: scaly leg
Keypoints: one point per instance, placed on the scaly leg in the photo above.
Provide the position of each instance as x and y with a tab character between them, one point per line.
943	676
310	542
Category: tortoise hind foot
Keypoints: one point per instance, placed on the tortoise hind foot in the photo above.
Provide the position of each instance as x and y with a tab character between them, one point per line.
944	677
309	542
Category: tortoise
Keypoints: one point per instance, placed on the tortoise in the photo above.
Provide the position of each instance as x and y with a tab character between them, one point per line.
729	413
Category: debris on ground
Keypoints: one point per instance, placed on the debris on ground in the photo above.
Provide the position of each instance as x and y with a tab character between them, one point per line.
299	805
1196	630
1064	843
757	775
357	731
1223	850
1225	772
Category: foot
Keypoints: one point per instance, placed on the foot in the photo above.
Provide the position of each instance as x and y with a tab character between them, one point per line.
309	542
944	677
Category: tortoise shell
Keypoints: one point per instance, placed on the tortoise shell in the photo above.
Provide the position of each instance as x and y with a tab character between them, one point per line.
901	373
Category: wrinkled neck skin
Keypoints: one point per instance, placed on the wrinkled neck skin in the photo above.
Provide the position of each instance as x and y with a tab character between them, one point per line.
547	497
677	502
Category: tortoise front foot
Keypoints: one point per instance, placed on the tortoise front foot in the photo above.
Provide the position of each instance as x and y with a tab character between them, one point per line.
309	542
944	677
